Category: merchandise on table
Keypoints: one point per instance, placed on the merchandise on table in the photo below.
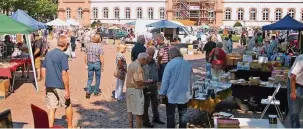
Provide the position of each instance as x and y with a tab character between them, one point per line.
232	59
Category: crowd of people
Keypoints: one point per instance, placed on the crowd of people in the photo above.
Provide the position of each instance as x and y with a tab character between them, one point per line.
157	71
143	77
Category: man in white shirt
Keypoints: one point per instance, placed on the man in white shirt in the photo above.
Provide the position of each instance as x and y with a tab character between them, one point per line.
295	91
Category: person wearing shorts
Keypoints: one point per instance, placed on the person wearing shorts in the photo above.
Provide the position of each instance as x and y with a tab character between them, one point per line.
54	71
37	49
134	92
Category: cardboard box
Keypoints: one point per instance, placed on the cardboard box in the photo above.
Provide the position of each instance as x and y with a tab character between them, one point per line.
233	59
4	88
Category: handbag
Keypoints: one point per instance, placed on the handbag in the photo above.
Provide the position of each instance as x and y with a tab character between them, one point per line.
118	74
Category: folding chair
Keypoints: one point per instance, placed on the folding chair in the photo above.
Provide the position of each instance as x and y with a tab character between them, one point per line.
274	102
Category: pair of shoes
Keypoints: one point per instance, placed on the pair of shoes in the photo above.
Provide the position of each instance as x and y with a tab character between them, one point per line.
158	121
148	124
87	95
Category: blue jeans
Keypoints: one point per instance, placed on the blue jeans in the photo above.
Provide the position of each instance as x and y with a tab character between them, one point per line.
93	68
170	112
295	106
230	49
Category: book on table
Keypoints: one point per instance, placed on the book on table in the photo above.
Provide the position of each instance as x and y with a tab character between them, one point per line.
228	123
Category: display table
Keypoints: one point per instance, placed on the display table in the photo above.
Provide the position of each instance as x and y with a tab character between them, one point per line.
208	104
246	92
254	123
246	74
9	71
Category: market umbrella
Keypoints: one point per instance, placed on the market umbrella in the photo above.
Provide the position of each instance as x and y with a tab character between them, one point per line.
114	28
164	24
11	26
186	22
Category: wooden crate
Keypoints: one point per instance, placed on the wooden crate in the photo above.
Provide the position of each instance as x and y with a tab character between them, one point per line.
4	88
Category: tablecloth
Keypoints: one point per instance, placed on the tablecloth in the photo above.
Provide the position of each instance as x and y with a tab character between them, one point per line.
243	92
209	104
246	74
7	72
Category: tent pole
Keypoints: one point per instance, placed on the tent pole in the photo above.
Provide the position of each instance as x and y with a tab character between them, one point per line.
300	41
31	54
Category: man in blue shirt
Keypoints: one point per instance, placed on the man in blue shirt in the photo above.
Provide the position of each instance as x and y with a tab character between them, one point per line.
54	71
176	85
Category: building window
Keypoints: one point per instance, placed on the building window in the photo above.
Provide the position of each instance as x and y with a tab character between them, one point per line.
178	13
227	14
80	12
95	13
117	13
150	13
278	14
291	13
139	13
252	14
105	13
240	14
162	13
68	13
127	13
211	14
265	14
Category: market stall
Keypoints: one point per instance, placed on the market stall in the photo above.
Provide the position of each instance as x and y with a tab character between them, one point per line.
9	66
24	18
287	23
72	22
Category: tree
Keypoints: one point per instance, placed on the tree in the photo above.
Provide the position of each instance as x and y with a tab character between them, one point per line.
237	24
39	9
6	5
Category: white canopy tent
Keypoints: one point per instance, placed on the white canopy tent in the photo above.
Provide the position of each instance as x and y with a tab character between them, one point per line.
57	22
72	22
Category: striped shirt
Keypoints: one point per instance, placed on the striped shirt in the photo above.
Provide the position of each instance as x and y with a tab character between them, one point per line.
93	51
163	52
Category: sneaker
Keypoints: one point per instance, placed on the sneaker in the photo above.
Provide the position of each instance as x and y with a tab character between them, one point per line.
158	121
97	94
148	124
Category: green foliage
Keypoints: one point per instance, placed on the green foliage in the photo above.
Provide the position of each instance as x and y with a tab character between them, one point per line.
94	24
235	38
237	24
35	8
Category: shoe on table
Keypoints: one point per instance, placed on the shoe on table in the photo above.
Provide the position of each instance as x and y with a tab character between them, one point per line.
148	124
158	121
